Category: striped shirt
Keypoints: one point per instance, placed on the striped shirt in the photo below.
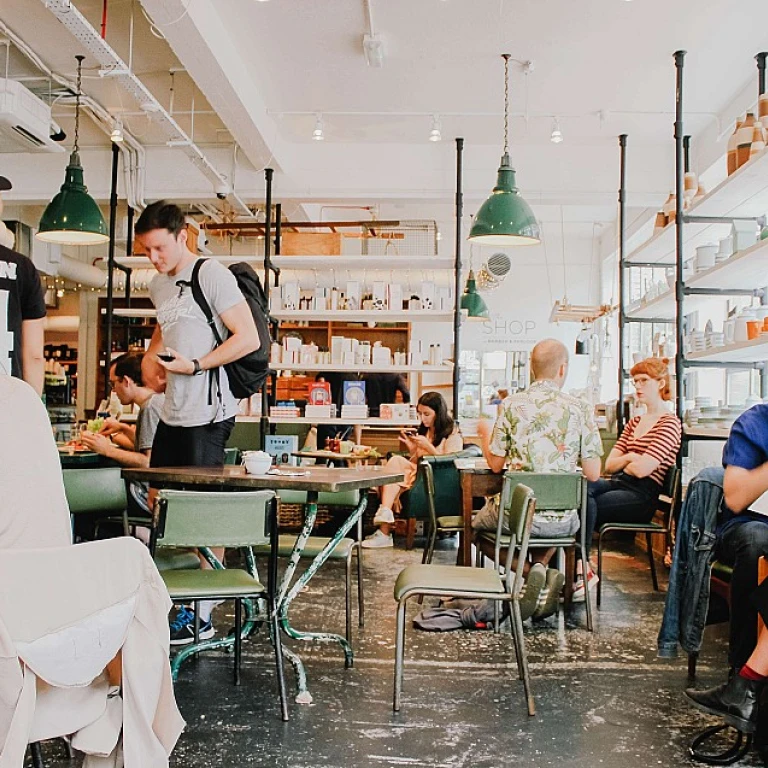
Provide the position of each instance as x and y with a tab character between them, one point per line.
661	442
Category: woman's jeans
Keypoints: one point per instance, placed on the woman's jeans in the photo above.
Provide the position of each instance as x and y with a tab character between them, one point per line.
620	499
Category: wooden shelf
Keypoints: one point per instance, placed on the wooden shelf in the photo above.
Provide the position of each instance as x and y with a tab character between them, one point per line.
744	193
366	316
753	351
370	422
338	368
377	263
705	433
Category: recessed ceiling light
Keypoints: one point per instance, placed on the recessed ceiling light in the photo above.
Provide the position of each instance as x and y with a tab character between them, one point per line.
317	134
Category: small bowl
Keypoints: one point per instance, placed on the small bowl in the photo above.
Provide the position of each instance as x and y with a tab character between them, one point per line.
257	462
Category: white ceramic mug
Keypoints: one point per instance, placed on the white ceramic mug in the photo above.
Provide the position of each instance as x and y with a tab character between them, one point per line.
257	462
740	328
705	257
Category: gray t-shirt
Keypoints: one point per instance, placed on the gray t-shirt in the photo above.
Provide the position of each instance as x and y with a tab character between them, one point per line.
184	329
146	426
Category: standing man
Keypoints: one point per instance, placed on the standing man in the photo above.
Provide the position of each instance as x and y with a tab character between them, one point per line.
198	415
22	312
545	430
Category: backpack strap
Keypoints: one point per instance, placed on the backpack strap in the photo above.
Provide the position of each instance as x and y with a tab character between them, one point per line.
202	302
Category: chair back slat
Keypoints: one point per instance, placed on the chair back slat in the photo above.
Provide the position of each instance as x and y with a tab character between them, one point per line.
210	519
671	482
324	498
425	468
519	505
553	491
99	489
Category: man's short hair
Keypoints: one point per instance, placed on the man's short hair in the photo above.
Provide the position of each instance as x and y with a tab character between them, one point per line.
547	357
129	365
160	215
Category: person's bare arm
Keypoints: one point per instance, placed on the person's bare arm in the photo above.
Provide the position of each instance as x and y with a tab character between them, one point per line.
495	463
32	360
617	460
105	447
642	466
244	339
590	468
152	370
743	486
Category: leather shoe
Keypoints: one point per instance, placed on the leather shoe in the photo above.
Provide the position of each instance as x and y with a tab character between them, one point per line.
734	701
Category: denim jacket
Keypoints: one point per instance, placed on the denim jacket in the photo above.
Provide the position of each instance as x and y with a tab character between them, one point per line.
685	609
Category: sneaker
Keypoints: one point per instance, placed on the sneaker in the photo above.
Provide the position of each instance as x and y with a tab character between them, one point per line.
578	586
550	595
183	628
383	515
378	540
534	583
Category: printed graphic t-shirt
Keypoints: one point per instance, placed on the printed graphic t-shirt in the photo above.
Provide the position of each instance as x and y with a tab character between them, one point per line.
191	401
21	298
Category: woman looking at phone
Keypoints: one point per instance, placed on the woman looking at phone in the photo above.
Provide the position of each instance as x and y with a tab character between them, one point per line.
436	435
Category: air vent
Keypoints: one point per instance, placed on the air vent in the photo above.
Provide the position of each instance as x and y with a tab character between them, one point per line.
25	120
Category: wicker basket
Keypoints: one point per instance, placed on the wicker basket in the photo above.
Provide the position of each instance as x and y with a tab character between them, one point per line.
291	516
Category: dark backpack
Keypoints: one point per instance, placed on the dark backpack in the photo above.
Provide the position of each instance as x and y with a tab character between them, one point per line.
247	374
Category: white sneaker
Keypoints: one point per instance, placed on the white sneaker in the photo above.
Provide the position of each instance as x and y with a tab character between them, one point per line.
377	540
383	515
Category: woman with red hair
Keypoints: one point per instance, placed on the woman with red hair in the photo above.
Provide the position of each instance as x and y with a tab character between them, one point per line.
642	456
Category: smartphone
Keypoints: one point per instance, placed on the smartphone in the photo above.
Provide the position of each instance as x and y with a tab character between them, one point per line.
166	358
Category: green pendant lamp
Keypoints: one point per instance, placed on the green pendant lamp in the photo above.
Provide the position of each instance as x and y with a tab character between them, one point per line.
471	301
73	217
505	219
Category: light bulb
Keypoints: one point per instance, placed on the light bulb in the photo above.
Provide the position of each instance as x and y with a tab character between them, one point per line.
434	134
317	134
557	134
117	131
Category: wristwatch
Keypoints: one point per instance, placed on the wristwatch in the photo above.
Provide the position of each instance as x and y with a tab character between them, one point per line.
198	369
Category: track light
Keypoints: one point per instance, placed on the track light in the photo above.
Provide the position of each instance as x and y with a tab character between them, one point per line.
557	134
434	134
117	131
317	134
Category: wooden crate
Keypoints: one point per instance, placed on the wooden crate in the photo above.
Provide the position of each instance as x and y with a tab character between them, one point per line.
310	244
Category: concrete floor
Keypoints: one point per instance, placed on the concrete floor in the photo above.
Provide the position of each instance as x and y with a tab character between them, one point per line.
602	699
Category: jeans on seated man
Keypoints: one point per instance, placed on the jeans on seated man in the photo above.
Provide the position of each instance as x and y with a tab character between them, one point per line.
543	430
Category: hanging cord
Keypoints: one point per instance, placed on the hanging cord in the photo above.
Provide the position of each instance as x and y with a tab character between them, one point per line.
80	59
506	57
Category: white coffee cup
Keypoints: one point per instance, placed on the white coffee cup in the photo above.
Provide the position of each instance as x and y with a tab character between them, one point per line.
257	462
705	257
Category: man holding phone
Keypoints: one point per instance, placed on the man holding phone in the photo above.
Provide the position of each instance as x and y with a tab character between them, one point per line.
197	416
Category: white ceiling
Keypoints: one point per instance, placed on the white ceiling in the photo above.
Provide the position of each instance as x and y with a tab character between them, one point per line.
258	62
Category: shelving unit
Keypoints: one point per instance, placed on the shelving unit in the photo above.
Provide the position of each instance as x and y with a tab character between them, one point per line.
742	195
338	368
365	316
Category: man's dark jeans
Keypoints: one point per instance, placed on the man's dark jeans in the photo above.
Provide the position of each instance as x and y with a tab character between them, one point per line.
741	545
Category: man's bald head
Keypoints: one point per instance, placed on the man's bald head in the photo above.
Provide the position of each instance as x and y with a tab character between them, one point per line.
549	360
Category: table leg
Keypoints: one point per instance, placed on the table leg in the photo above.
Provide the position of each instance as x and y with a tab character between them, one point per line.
465	550
288	595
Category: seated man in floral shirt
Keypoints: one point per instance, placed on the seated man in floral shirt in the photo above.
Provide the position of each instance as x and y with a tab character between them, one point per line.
543	430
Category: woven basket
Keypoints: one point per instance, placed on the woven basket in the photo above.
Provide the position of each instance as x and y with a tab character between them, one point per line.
291	516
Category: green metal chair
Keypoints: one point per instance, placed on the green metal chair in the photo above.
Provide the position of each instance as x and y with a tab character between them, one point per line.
476	583
556	492
669	497
236	520
446	497
98	493
232	456
343	551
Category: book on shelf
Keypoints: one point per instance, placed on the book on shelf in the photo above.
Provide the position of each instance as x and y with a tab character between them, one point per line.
354	393
320	393
318	411
354	411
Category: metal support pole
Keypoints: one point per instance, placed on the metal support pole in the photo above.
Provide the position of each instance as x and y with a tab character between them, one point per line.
128	252
457	281
756	292
652	320
721	364
264	421
688	218
679	176
278	240
687	153
760	59
111	265
622	287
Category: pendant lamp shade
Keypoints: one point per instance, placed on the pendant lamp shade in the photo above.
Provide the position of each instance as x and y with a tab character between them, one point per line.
505	219
73	217
472	301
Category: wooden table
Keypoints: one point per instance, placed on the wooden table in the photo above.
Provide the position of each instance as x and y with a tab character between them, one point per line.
476	480
312	481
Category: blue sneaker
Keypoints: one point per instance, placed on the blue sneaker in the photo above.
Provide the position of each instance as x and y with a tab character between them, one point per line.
183	628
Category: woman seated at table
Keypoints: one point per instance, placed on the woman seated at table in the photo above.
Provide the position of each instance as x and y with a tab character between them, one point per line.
642	456
436	435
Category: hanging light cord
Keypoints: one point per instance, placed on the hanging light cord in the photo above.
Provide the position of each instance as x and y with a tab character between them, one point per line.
506	57
77	100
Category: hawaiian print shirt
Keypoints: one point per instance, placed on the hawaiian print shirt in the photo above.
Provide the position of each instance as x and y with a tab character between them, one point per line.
545	430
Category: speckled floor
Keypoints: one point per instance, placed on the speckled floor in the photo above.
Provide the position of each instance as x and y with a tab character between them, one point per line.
602	698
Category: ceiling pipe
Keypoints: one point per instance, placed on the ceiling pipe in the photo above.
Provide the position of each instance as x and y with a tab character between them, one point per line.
84	32
134	155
